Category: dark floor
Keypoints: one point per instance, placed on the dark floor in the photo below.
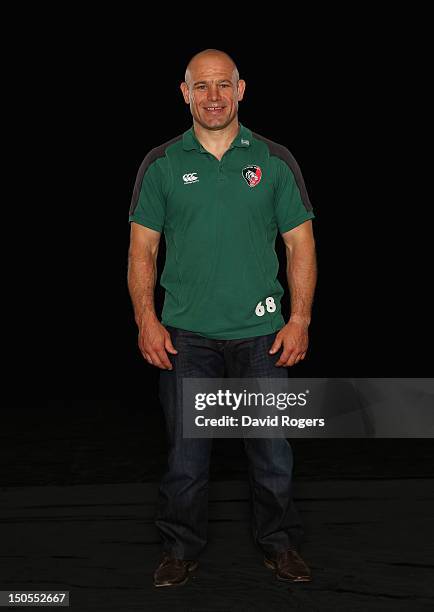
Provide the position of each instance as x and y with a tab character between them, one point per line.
369	543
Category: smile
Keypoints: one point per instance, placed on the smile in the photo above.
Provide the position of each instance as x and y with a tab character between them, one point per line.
214	109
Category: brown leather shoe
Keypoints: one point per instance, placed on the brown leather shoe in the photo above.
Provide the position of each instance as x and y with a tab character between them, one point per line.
173	572
289	566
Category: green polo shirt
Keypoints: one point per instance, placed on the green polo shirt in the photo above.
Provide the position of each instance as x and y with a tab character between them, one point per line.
220	220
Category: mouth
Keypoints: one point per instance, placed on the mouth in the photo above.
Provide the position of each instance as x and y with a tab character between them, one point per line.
214	110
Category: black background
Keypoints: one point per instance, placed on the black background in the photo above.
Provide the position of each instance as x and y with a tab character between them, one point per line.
350	109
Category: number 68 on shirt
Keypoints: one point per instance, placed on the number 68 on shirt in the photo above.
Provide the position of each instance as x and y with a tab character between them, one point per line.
270	305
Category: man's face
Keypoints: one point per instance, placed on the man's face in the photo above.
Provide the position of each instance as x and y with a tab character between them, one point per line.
212	91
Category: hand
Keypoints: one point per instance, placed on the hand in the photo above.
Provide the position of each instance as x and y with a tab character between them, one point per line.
154	341
295	340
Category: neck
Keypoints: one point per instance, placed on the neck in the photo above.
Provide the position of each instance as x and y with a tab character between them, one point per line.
216	140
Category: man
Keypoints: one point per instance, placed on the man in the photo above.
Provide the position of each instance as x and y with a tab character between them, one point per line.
220	192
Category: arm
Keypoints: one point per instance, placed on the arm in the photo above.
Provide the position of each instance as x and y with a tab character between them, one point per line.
154	339
301	275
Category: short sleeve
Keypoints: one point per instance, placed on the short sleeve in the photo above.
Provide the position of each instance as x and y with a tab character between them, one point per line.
148	204
292	204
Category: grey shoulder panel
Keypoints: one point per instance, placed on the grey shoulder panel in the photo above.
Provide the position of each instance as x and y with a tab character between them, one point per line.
278	150
152	156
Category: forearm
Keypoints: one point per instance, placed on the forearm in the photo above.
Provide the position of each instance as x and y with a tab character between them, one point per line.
142	275
301	271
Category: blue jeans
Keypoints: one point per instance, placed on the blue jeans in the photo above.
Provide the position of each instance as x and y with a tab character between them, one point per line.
182	515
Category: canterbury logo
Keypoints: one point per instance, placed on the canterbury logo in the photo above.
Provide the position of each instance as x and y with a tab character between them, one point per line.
191	177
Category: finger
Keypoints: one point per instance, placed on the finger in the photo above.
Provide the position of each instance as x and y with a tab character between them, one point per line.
163	359
284	357
168	345
294	358
276	345
155	359
145	354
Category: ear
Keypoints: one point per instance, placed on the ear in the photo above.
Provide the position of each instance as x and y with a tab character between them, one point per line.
185	92
241	89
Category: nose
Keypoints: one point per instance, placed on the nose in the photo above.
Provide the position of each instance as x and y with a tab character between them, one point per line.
213	92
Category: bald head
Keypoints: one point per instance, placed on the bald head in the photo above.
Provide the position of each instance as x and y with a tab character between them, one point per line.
212	88
207	57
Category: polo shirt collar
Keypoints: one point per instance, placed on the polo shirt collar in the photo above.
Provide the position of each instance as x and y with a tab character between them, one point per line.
243	139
